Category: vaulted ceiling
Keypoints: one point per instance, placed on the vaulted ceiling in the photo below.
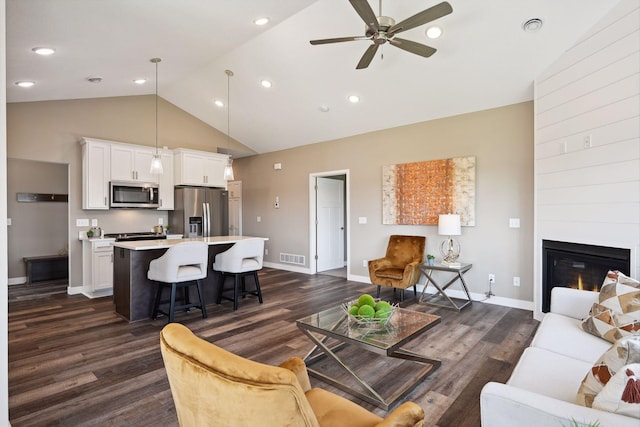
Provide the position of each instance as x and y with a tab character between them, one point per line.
484	59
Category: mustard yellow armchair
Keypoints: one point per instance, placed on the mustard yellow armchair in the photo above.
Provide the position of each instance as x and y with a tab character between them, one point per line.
213	387
400	267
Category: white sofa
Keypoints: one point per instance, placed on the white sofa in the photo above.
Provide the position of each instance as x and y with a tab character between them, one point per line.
543	386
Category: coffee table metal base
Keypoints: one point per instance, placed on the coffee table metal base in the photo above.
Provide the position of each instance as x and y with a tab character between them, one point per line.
321	349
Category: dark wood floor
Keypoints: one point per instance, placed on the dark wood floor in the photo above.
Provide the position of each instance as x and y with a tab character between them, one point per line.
74	362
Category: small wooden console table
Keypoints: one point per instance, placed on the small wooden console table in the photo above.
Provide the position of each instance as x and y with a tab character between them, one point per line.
458	275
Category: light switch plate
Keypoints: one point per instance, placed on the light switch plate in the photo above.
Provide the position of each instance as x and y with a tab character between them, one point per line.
362	220
514	222
94	222
82	222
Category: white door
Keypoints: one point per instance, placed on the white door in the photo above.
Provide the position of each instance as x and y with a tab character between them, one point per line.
330	223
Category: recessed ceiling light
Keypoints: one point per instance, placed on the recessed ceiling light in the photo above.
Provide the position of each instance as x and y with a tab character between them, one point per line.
44	50
261	21
25	83
218	103
266	83
434	32
324	108
532	25
140	81
354	98
94	79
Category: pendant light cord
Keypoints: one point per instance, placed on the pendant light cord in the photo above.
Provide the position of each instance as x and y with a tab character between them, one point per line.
157	108
229	74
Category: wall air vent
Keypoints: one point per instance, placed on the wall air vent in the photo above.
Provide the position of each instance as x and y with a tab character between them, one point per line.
292	259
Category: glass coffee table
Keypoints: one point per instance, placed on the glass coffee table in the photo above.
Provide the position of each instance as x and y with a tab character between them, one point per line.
331	330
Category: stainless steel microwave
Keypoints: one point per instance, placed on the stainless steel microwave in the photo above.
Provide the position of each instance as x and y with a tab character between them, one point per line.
134	195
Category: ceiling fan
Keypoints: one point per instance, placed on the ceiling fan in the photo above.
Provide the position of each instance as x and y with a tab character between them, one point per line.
382	29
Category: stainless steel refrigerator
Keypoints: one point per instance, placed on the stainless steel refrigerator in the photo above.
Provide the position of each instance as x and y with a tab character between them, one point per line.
200	212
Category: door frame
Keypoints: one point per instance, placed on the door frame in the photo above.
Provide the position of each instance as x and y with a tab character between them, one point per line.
313	264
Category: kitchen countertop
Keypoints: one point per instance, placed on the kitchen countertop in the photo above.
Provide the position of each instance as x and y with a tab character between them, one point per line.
141	245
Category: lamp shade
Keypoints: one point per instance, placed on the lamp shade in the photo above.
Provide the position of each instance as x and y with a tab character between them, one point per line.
449	225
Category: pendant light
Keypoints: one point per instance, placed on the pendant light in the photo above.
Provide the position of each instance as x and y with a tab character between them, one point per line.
228	169
156	162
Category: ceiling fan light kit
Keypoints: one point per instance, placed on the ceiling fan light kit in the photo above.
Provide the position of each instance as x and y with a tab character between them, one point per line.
433	32
382	29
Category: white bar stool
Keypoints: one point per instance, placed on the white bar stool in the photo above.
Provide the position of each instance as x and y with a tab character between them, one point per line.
182	265
243	259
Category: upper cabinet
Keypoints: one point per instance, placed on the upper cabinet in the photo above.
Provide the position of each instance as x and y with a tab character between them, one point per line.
199	168
96	172
105	161
131	163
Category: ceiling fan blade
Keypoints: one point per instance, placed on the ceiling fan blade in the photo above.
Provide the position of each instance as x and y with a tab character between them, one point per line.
338	40
413	47
366	13
367	57
421	18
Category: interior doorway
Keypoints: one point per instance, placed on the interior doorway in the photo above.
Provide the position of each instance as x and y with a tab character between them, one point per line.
329	202
38	219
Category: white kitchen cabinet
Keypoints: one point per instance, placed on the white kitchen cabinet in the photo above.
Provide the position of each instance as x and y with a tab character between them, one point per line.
97	267
96	172
235	207
200	168
131	163
165	182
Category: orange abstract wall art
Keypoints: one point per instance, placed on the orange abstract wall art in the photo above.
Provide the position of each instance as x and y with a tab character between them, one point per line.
416	193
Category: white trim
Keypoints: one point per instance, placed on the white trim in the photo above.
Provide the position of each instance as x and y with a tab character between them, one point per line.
287	267
312	216
454	293
17	280
74	290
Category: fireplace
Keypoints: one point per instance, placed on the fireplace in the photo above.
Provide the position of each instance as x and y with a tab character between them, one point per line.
575	265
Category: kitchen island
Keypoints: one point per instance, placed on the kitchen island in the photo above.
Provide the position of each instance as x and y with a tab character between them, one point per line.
133	293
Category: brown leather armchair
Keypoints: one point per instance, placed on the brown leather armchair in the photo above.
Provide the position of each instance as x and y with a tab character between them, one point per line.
212	387
400	267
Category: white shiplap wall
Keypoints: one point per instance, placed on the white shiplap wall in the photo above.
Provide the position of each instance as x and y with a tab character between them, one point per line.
590	192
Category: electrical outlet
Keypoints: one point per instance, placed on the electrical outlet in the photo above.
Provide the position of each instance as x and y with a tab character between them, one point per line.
492	278
516	281
365	263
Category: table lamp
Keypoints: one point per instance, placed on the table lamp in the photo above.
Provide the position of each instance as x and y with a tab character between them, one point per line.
449	225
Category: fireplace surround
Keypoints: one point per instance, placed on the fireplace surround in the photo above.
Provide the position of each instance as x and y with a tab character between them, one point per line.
580	266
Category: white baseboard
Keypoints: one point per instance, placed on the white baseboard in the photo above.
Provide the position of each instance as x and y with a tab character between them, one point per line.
98	294
17	280
361	279
287	267
74	290
453	293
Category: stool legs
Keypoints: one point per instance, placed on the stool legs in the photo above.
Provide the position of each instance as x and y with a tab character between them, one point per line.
239	288
186	303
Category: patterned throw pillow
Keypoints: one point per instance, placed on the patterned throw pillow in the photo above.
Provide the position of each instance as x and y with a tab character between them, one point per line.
622	393
624	352
618	312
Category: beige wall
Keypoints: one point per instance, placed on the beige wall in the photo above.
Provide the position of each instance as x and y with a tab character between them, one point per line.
39	228
51	132
502	141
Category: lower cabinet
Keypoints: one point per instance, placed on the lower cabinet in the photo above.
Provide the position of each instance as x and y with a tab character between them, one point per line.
97	267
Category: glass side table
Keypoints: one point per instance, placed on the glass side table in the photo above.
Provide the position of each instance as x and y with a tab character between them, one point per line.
458	273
